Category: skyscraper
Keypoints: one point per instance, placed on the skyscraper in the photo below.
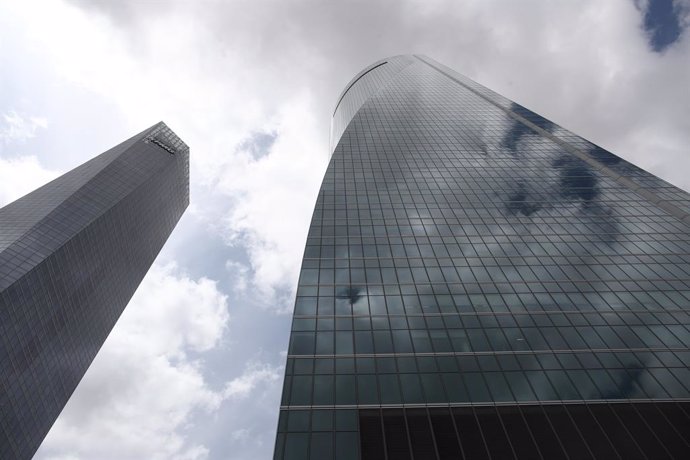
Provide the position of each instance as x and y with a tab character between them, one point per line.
479	282
72	253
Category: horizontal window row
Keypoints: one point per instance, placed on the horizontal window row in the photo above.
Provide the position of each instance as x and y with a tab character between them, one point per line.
497	201
357	181
528	293
485	387
381	185
494	217
666	261
596	246
490	232
501	210
377	182
349	175
455	246
488	339
363	183
404	273
545	233
632	206
456	214
391	187
488	362
439	164
383	192
353	300
551	243
478	214
436	320
441	258
429	161
318	420
625	266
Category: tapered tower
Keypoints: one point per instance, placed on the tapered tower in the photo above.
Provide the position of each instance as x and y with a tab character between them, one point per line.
479	282
72	253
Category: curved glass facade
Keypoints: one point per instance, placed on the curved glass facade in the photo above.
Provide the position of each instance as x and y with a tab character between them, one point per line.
479	282
360	89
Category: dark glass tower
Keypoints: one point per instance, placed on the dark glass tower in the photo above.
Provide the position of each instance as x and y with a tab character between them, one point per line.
479	282
72	253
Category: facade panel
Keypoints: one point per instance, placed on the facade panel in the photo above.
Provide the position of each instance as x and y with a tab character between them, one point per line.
72	253
481	282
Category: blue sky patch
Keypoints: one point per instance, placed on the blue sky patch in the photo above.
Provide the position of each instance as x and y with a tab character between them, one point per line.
259	144
662	24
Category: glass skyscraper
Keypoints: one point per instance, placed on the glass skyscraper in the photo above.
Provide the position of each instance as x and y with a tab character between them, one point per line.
479	283
72	253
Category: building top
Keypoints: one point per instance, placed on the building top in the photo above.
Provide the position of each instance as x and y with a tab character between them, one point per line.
372	79
161	135
38	223
361	88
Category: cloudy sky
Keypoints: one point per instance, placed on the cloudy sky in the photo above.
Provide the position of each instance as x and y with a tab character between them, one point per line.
193	369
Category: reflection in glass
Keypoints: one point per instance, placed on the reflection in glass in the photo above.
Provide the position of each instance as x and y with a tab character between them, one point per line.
472	254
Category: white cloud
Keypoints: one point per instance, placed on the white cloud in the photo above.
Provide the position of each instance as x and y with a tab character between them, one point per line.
274	200
21	175
17	128
239	273
240	435
251	412
141	390
254	375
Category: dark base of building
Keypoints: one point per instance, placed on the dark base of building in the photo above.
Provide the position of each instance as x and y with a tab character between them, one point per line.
640	430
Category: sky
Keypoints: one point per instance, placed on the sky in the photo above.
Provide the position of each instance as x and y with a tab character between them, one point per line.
193	369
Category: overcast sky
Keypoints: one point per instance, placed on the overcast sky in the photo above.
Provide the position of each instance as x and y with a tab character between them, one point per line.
193	368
